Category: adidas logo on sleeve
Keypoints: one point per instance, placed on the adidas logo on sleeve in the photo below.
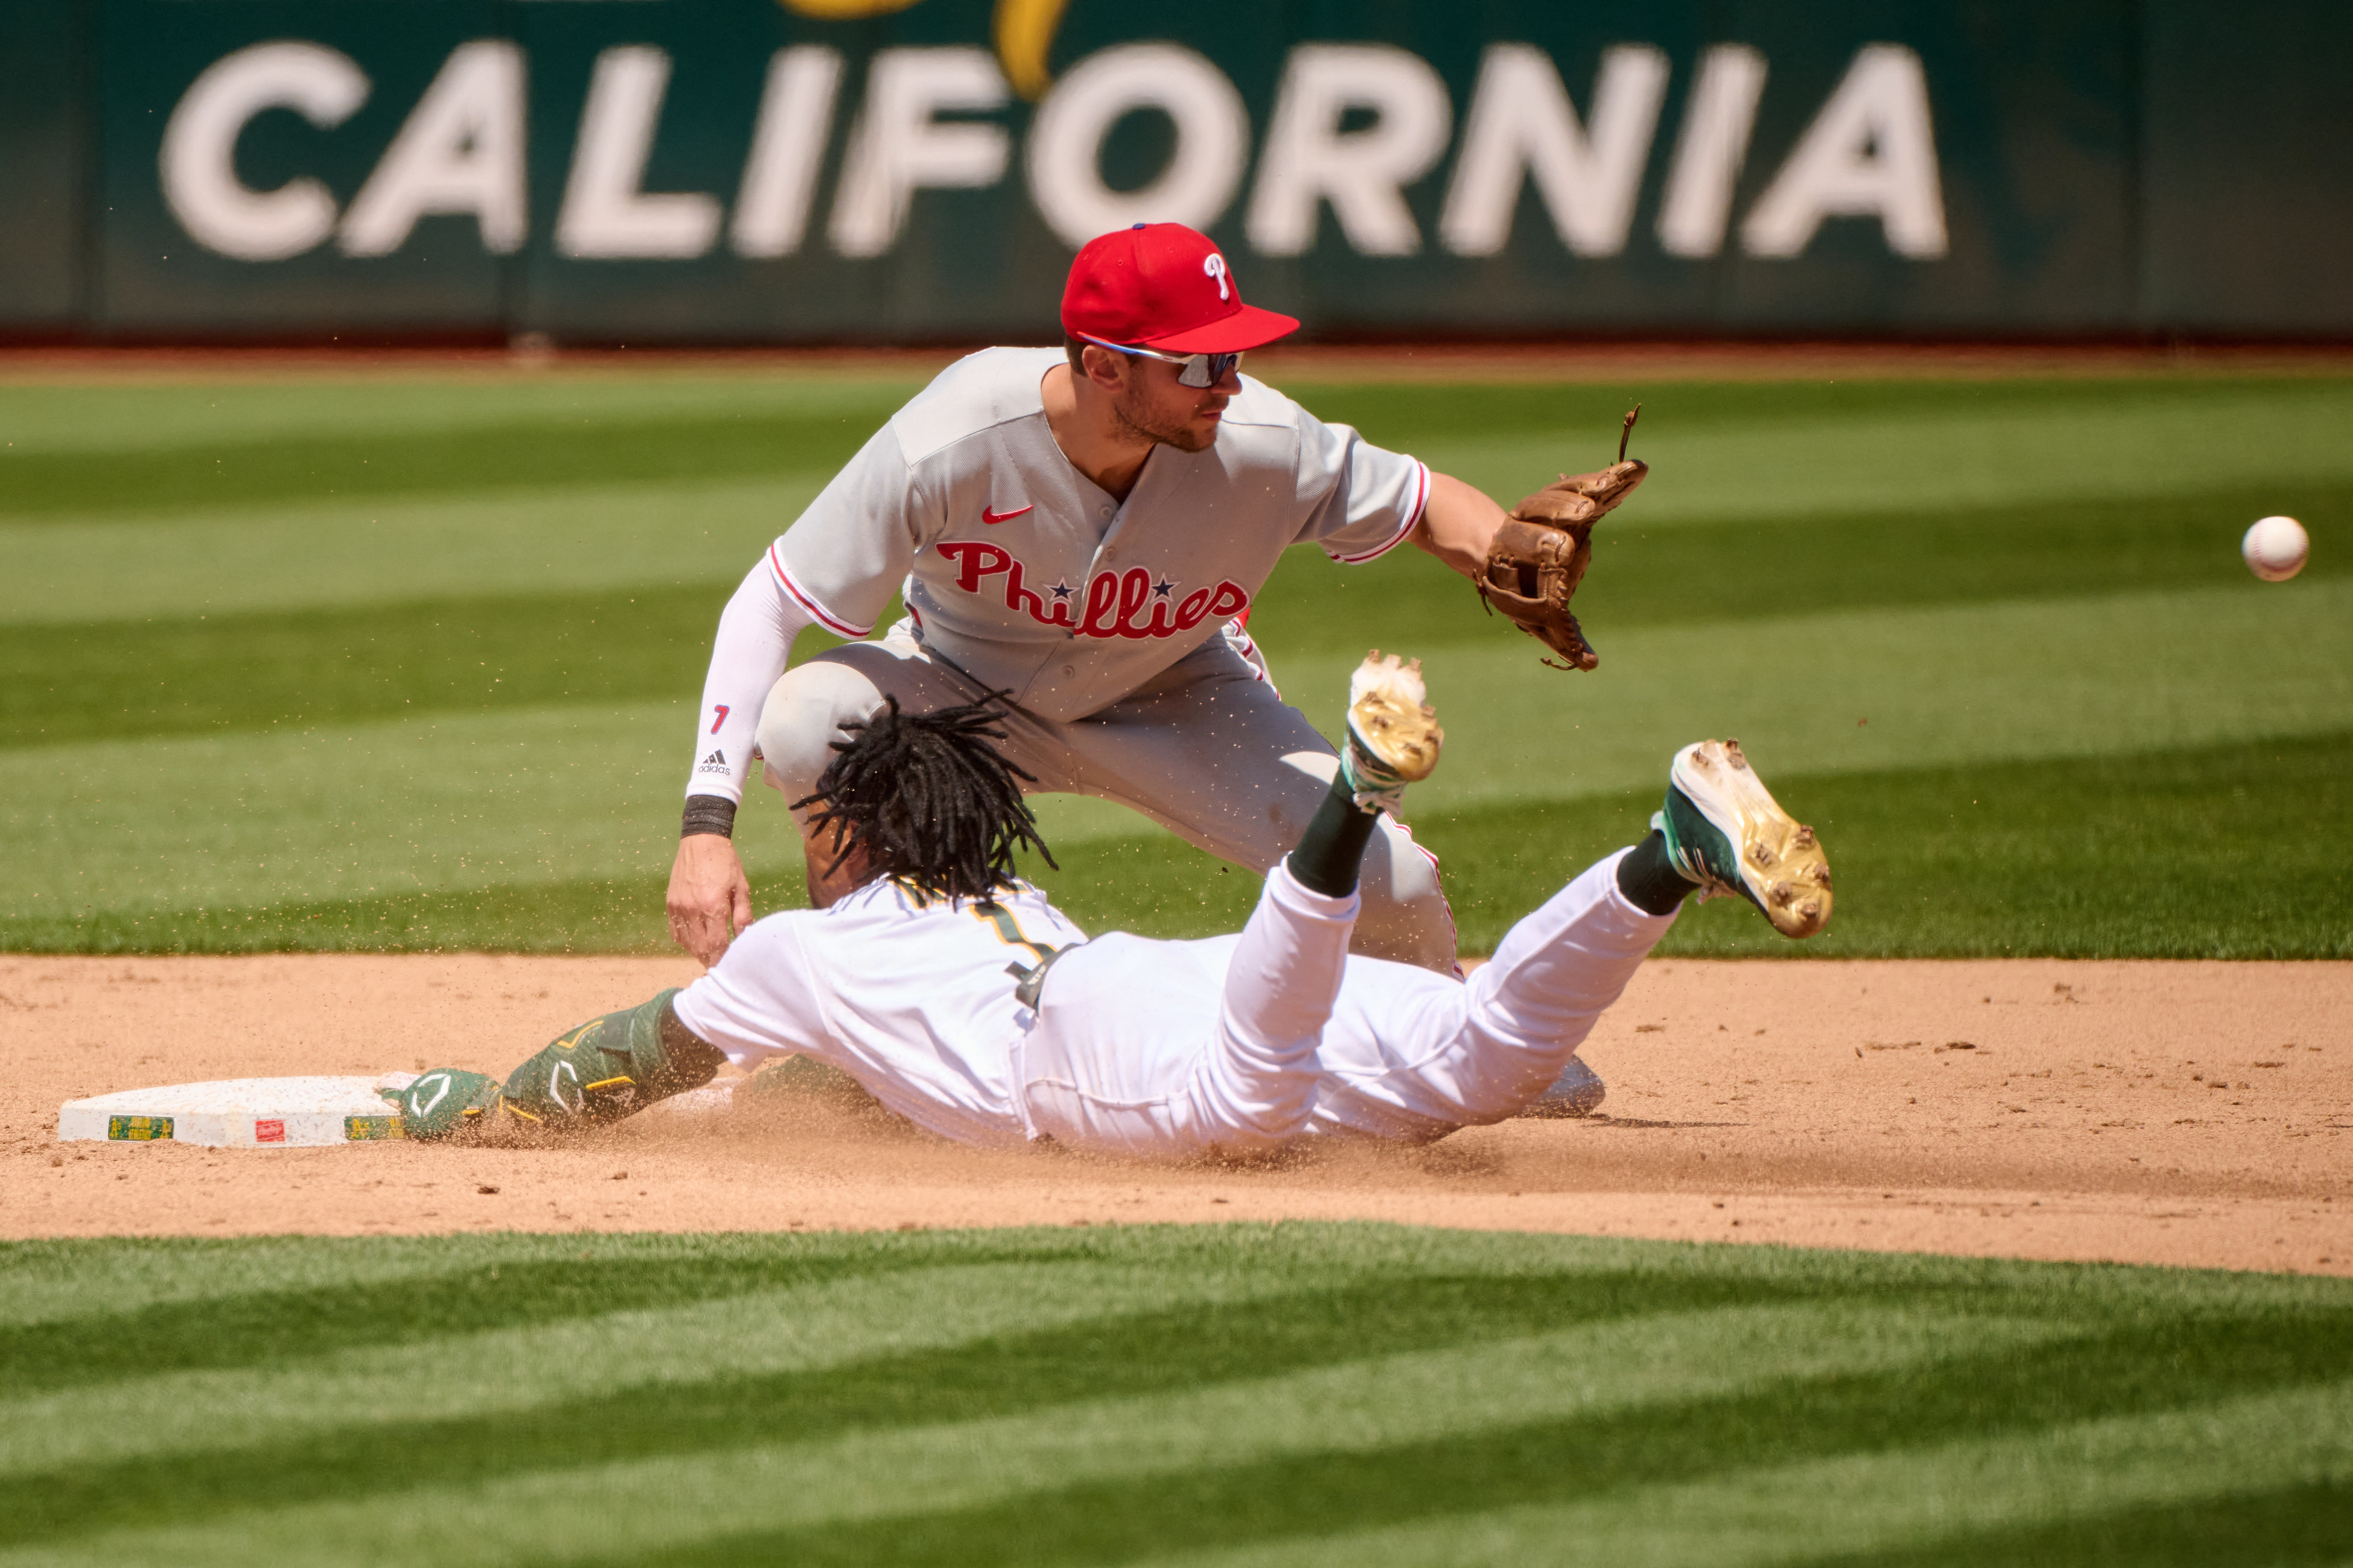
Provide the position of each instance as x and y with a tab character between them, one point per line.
716	763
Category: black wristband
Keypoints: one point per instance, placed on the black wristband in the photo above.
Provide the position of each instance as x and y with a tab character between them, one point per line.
708	814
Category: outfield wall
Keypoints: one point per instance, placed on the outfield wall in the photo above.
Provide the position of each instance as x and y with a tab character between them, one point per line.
874	171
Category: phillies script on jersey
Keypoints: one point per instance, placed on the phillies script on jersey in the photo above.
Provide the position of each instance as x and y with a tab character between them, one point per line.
1115	602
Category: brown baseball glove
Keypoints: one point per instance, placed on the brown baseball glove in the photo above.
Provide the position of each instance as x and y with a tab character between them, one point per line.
1540	553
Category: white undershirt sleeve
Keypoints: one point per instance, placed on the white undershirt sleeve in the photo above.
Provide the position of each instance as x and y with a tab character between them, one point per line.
756	632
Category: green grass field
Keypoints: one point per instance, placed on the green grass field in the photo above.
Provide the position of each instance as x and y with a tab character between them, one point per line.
1237	1394
410	662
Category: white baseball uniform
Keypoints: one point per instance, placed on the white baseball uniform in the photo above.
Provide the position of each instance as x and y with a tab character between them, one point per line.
1115	626
1168	1048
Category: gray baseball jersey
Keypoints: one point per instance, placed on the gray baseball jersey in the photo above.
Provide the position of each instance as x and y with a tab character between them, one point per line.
1023	574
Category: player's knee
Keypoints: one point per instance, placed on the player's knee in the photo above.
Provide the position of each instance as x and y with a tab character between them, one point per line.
804	715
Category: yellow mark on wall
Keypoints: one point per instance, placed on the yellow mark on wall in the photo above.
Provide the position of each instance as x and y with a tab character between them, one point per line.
1023	30
846	10
1025	33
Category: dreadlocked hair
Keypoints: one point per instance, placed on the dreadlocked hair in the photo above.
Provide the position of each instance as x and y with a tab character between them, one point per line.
931	802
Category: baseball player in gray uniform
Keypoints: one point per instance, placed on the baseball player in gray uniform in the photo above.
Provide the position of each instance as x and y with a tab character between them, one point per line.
1084	530
959	998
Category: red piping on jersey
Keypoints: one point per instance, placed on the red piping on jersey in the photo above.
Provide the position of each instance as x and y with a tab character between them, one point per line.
1243	644
831	623
1421	505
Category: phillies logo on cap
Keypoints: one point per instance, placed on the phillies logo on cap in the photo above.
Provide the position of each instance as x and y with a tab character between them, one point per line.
1141	287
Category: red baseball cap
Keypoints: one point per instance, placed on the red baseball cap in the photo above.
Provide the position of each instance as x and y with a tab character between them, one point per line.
1163	286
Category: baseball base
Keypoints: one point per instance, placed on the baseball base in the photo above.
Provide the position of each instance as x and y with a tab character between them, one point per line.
238	1113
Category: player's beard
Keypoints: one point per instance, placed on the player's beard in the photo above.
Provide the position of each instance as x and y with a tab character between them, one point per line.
1138	421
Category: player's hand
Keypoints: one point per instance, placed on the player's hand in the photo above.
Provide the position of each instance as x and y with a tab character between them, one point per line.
710	897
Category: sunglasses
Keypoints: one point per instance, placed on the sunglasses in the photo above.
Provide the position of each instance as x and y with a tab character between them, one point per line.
1194	369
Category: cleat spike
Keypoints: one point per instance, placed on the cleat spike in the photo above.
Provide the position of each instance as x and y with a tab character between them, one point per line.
1727	833
1393	738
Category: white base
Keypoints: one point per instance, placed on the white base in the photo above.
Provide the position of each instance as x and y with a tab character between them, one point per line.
238	1113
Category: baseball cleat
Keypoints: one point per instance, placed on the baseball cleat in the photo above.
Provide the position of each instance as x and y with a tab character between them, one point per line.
1393	736
1578	1091
1727	833
446	1102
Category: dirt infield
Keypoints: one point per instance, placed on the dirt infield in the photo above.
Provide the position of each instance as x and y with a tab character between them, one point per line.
2183	1113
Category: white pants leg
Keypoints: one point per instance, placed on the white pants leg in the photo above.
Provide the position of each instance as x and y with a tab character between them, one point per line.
1406	1056
1207	749
1126	1058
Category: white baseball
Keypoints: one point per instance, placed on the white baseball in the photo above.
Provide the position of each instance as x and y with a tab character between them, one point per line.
2276	548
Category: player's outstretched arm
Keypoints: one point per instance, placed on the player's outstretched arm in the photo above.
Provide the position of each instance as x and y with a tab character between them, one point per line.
1459	524
709	898
607	1069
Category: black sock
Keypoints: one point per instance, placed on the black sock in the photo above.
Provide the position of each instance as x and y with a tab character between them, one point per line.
1329	853
1650	881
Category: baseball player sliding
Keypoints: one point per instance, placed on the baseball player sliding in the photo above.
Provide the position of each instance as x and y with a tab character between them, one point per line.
1084	530
962	1000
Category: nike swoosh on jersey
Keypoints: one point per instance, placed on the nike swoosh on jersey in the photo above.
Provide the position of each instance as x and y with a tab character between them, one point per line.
993	517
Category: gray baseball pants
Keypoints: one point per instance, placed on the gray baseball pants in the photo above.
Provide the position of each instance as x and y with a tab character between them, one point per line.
1206	749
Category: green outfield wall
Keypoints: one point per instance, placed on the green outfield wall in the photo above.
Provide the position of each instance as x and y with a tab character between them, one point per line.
744	170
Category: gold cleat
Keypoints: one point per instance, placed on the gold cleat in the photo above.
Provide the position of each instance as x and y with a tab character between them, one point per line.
1727	832
1393	736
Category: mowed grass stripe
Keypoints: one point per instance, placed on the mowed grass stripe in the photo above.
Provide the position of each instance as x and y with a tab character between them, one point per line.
265	669
492	456
538	1360
1348	1416
72	415
1728	574
2295	1523
435	804
395	404
553	794
2006	1345
1972	445
1956	456
295	668
158	1291
101	1282
2294	1445
299	668
185	554
339	554
403	414
1872	691
1583	409
1537	1455
1290	1327
2191	854
277	1327
97	1278
578	915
